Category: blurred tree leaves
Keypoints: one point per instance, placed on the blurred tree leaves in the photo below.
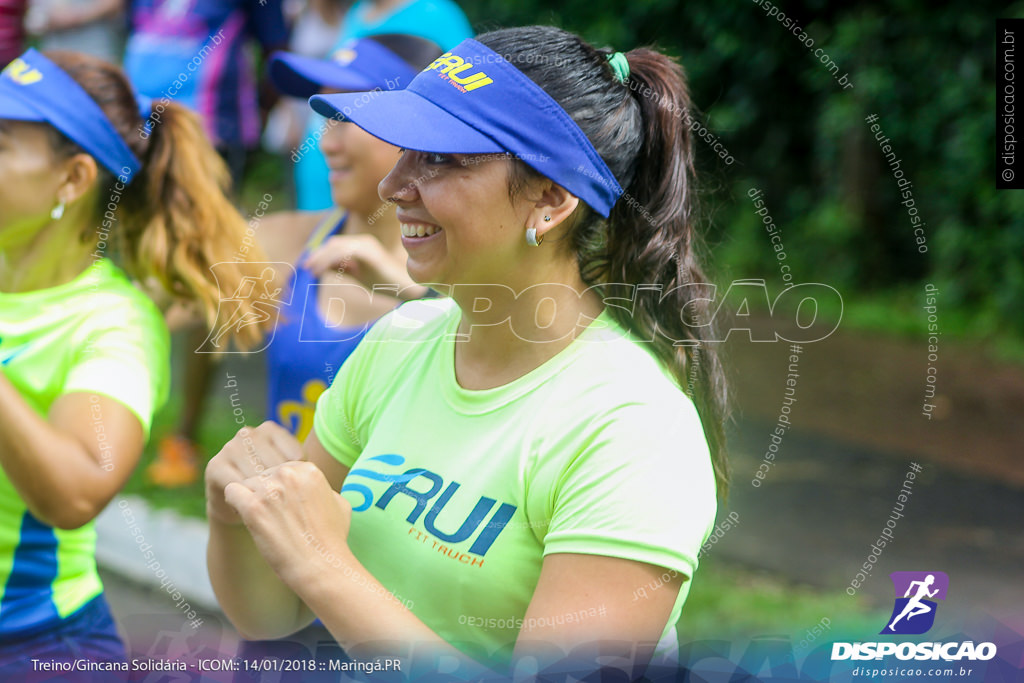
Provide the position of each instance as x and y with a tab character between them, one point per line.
926	70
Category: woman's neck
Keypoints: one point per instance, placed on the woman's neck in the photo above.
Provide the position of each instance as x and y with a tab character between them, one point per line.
517	334
52	256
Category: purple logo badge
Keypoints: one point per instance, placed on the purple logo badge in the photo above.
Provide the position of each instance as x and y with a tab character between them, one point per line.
916	593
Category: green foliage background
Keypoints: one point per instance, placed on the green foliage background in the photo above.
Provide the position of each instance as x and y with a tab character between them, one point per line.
927	71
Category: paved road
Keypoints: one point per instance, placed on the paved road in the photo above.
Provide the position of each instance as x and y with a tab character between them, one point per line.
153	625
823	504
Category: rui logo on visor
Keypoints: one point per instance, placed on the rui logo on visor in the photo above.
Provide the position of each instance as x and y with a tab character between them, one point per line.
455	65
344	56
511	115
33	88
22	73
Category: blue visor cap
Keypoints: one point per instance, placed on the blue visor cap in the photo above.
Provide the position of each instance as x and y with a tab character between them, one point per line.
32	88
362	64
472	101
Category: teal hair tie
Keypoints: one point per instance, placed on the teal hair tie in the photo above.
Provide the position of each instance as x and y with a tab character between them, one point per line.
620	65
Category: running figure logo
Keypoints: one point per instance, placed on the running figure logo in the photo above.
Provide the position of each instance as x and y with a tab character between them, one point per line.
914	612
266	302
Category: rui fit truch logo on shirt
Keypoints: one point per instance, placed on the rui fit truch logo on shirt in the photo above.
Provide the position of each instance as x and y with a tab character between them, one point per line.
22	73
364	490
478	531
451	67
914	610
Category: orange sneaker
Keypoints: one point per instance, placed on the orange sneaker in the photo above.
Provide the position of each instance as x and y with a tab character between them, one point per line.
176	464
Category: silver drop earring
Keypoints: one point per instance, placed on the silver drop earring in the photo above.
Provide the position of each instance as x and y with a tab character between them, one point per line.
58	212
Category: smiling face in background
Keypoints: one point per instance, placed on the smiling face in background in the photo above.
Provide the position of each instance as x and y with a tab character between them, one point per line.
357	161
28	182
473	233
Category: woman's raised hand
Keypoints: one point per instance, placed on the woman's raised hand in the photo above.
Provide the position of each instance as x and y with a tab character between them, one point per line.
250	454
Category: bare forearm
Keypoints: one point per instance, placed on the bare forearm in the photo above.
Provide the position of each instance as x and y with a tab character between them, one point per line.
52	472
251	594
364	617
75	17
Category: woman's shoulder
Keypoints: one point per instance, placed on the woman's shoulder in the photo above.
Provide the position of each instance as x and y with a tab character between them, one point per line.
283	235
106	284
615	360
623	400
106	298
395	344
419	321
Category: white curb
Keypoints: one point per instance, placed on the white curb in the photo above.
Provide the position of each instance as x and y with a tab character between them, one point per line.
157	548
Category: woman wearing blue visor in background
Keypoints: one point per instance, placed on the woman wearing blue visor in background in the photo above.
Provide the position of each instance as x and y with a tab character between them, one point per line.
339	255
86	182
522	471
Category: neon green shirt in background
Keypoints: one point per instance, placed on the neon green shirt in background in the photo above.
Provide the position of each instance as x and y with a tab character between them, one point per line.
96	334
458	495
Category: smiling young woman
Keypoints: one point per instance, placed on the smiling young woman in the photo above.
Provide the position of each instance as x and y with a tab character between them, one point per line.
330	261
87	204
517	461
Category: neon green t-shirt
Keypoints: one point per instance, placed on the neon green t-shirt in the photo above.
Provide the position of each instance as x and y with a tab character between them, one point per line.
458	495
96	334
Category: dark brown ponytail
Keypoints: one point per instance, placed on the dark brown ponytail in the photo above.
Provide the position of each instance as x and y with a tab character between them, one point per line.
638	128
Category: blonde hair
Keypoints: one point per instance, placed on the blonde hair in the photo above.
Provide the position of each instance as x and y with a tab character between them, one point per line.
174	220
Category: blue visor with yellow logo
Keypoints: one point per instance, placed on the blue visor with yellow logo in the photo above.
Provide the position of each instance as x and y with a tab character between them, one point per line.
32	88
361	64
472	101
